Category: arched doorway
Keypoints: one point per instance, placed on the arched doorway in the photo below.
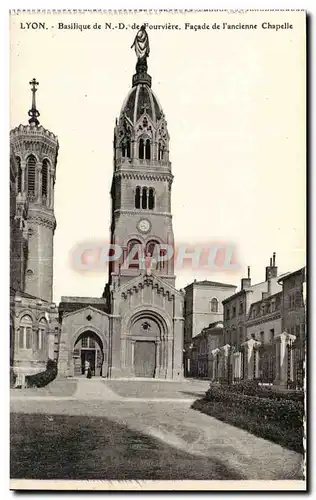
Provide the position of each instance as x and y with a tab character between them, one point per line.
88	347
148	347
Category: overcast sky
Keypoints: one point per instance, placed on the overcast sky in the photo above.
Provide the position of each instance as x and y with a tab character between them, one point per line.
235	106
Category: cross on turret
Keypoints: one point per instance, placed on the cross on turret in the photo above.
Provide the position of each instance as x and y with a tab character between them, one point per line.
33	112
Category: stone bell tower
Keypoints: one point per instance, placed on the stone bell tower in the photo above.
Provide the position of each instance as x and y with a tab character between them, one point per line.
35	149
141	186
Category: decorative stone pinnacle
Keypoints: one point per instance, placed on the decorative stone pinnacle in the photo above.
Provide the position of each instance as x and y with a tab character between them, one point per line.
33	112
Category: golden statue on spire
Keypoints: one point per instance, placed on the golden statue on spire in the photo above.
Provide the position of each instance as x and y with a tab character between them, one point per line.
141	44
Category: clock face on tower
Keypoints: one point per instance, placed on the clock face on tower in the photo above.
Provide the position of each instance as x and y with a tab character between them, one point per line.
144	226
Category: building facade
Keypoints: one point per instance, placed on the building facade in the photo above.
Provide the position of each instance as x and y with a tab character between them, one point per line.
201	349
202	307
269	352
237	306
136	328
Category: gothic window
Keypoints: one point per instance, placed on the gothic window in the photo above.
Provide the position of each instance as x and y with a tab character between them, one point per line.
151	199
31	163
147	149
133	256
25	333
18	159
137	197
84	342
126	148
214	305
44	177
144	198
141	149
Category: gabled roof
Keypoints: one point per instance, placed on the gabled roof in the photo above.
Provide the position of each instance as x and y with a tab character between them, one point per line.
87	309
141	278
211	283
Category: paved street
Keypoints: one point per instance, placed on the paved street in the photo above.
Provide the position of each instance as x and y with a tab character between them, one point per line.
135	430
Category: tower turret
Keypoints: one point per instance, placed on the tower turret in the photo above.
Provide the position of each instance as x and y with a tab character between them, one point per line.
35	149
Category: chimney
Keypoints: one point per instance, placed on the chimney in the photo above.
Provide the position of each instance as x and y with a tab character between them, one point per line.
271	270
246	282
269	287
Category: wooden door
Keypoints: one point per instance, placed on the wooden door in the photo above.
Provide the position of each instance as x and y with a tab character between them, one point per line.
145	358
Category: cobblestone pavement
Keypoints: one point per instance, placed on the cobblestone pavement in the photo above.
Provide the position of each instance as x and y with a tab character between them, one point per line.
137	437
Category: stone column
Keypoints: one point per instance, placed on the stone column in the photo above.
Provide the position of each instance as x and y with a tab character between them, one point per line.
177	348
169	366
64	354
215	354
23	168
132	356
115	347
283	340
252	358
50	343
236	365
224	353
50	191
38	181
157	370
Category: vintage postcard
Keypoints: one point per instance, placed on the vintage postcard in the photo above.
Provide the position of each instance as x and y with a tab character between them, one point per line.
158	267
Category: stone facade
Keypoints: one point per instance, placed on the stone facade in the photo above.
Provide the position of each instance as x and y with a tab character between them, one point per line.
203	305
270	353
293	306
236	307
136	329
264	319
201	351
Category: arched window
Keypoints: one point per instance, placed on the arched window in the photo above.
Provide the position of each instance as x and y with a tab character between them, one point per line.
214	305
137	197
31	163
141	149
151	199
19	177
128	148
25	332
133	254
44	177
152	249
41	335
147	149
144	198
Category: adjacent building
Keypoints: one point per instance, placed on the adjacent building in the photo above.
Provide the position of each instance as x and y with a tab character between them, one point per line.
202	307
199	359
237	306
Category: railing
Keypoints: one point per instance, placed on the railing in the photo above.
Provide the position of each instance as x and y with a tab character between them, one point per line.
136	162
267	363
